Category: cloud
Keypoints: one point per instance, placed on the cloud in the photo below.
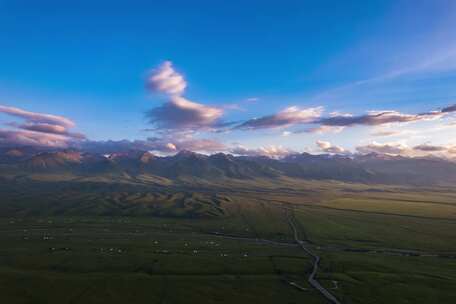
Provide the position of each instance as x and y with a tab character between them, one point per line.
199	145
37	117
180	113
377	118
385	148
336	121
323	129
422	150
165	145
327	147
385	133
449	109
269	151
165	79
47	128
430	148
39	129
170	144
288	117
30	138
439	150
43	127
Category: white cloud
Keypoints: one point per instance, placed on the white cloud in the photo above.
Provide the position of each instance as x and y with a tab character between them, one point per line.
166	80
391	148
167	144
269	151
171	146
327	147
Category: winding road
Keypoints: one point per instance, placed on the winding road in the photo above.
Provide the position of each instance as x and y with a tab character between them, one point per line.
311	279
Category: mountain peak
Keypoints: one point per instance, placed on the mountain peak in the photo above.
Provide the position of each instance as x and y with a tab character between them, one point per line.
147	157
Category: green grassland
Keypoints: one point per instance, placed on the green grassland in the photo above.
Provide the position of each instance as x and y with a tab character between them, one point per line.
140	241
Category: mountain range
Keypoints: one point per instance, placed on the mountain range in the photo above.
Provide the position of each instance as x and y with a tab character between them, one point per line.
367	168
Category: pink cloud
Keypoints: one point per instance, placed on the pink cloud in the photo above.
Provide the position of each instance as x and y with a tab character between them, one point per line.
166	80
269	151
30	138
181	113
327	147
164	145
384	148
375	118
287	117
39	129
38	117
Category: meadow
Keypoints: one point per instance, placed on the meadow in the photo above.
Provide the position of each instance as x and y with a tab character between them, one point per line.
225	243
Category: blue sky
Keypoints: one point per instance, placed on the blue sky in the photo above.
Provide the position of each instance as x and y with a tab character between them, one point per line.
91	62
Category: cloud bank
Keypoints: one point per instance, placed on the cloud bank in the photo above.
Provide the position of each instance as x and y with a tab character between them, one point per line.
383	148
377	118
336	122
37	129
269	151
159	144
33	117
402	149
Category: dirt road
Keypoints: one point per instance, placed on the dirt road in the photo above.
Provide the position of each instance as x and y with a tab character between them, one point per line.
316	259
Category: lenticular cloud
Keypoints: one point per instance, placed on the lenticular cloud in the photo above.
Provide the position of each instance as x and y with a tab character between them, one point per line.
38	129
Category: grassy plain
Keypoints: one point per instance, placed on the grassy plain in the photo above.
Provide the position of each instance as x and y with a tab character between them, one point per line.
95	242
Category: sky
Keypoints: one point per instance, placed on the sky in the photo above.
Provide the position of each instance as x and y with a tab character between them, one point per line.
244	77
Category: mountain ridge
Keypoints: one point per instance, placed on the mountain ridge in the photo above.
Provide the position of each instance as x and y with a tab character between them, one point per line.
365	168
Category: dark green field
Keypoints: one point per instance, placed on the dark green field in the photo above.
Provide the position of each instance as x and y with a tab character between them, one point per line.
140	242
